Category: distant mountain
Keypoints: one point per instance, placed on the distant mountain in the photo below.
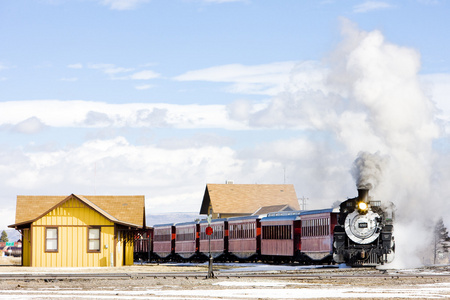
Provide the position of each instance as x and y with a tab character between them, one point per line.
168	218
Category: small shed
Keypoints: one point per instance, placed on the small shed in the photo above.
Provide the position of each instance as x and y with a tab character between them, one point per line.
78	231
234	200
272	208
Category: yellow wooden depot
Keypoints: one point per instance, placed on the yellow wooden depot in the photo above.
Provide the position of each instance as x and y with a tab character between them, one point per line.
79	231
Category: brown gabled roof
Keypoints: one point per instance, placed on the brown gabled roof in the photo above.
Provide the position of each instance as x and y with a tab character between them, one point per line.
124	210
247	198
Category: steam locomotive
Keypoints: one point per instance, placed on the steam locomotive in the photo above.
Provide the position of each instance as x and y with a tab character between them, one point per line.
358	233
364	233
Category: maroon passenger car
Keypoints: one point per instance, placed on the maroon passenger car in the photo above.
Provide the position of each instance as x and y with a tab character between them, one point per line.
186	239
163	240
317	234
302	236
244	237
280	238
218	239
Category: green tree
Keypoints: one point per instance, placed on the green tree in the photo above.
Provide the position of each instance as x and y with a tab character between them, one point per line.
441	239
4	237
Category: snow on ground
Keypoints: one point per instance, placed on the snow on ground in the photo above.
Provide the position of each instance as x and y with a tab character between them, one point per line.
239	290
413	287
257	267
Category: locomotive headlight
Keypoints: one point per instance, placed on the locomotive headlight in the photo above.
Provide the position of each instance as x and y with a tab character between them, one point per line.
363	207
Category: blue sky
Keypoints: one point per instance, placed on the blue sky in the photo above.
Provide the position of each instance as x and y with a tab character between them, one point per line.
161	97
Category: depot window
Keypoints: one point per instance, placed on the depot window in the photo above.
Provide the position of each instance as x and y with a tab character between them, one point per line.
93	239
51	239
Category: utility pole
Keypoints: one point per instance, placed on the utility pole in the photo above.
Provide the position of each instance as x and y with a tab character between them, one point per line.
302	201
209	231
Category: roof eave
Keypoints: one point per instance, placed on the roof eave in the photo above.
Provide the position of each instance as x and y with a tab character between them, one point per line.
129	224
21	224
206	202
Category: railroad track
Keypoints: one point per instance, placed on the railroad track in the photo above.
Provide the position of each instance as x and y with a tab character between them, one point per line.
202	275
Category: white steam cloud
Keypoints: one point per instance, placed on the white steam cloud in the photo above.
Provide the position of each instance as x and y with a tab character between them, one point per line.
371	101
380	80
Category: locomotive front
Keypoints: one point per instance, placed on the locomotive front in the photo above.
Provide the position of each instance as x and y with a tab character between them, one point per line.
364	233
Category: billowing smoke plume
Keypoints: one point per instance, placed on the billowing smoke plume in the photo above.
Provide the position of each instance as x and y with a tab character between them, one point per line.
381	82
368	170
369	100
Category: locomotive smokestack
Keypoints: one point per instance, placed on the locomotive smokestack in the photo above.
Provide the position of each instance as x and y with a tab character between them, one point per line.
363	195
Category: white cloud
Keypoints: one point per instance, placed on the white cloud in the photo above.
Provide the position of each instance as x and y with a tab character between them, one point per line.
144	75
123	4
98	119
144	87
267	79
110	69
240	109
237	72
168	177
75	66
371	6
29	126
437	87
7	215
120	73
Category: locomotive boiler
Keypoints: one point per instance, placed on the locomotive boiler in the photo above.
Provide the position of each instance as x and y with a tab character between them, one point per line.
364	233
